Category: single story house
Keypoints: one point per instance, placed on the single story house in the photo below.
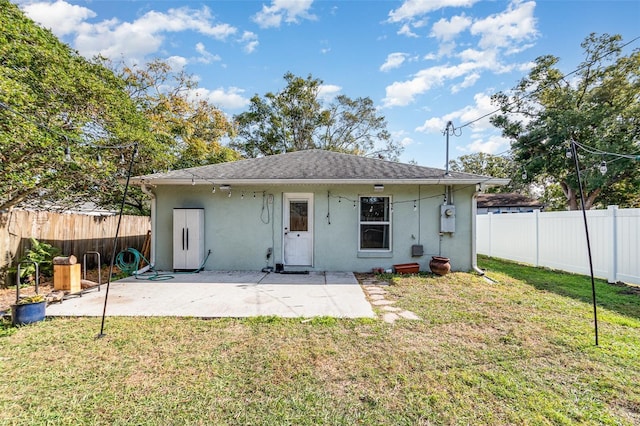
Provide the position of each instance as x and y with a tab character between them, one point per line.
507	203
312	210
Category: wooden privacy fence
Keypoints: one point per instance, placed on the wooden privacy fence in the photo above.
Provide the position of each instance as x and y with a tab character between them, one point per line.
75	234
557	240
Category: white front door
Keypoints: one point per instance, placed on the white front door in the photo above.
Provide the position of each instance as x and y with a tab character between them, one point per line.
298	229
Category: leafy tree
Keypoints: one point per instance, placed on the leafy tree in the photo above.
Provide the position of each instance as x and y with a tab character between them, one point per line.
190	128
553	197
188	131
598	107
296	119
52	100
497	166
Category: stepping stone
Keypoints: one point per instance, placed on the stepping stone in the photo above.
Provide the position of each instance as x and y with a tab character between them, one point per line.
376	297
391	309
376	290
383	302
409	315
389	317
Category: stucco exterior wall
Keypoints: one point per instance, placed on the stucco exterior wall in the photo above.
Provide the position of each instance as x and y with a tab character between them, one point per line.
240	229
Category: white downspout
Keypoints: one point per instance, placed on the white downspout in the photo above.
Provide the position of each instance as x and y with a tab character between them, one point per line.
474	217
152	245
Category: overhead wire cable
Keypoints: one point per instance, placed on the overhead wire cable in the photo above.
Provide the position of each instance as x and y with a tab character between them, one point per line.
580	68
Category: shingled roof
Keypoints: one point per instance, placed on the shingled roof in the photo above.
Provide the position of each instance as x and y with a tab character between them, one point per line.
510	199
313	166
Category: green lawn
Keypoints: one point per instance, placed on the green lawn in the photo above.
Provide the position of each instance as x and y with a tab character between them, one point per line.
517	351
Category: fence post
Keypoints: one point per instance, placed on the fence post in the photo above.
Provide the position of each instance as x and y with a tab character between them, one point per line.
536	213
612	267
490	214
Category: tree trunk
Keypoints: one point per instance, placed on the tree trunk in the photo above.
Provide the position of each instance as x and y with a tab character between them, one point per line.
17	199
573	197
591	198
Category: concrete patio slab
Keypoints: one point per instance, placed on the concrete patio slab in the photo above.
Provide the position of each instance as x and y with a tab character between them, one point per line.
225	294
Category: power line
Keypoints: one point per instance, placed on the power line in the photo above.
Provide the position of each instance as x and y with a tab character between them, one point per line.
580	68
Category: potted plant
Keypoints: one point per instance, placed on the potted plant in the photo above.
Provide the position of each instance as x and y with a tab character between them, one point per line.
28	309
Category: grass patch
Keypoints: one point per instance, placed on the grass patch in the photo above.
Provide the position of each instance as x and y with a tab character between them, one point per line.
510	352
620	298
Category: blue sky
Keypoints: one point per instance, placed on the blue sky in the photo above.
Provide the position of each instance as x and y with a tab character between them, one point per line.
422	62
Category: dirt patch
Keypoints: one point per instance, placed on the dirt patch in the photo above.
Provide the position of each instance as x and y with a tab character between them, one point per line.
8	295
627	288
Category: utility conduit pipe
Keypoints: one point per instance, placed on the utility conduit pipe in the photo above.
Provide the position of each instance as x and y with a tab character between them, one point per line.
474	216
152	246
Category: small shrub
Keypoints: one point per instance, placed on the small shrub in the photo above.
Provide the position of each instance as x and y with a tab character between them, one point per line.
37	298
41	253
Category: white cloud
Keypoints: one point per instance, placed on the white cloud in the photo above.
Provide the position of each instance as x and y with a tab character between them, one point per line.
435	124
492	144
201	49
177	63
405	30
447	30
516	24
468	81
406	141
482	108
411	9
61	17
394	60
229	98
498	35
402	138
484	136
206	57
447	49
132	40
486	59
327	92
250	41
288	10
326	47
403	93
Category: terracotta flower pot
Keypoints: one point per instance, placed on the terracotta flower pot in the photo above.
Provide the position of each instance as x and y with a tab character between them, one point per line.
407	268
440	265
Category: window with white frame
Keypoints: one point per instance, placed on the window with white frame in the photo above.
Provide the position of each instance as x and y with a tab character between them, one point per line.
375	223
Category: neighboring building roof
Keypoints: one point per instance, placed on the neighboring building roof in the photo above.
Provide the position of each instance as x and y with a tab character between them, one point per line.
88	208
313	166
507	200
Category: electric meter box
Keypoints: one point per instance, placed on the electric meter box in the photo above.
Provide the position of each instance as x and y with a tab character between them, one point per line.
447	218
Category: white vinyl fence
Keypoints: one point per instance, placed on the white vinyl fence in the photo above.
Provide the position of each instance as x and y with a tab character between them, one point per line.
557	240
